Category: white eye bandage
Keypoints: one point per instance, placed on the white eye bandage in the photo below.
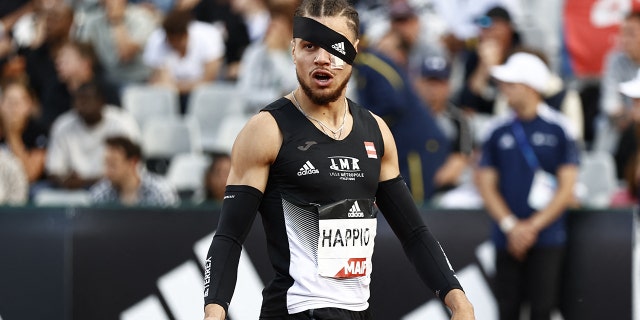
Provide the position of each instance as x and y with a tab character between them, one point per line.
336	63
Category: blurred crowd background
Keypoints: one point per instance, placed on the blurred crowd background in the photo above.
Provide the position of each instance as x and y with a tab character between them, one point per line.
138	102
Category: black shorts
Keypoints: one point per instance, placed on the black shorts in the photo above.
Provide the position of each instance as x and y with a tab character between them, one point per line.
326	314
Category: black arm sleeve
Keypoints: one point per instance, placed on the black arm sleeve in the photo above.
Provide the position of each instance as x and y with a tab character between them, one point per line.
423	250
238	212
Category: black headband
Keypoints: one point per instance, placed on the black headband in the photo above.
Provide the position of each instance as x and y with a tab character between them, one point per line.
323	36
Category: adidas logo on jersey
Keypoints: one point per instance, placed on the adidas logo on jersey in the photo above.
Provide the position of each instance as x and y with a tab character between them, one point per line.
307	169
355	211
339	47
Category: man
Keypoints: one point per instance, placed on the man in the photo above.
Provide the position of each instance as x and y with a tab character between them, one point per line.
118	34
435	90
619	66
76	149
14	185
126	181
57	20
526	177
266	64
385	88
313	163
184	53
627	150
497	38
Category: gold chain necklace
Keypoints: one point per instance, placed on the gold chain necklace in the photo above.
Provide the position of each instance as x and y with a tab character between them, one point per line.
336	133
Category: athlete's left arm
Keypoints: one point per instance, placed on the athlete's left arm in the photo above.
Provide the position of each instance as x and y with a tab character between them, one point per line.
423	250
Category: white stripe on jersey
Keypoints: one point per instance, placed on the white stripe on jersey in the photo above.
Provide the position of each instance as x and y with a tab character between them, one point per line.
309	290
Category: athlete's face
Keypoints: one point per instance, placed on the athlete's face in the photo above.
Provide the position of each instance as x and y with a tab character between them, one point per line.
318	80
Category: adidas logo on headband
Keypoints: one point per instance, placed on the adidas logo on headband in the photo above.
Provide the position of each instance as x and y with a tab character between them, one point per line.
324	37
339	46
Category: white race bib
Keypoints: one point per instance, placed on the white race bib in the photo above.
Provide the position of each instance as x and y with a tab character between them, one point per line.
346	241
542	190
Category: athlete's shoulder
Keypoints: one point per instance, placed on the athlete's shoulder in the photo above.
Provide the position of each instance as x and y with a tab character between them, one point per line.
260	137
277	105
360	111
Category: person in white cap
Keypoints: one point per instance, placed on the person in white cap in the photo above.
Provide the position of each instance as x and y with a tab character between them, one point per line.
526	175
627	148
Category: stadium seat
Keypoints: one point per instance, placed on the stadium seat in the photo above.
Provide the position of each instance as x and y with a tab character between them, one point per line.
186	172
147	101
62	197
211	103
163	138
597	179
223	140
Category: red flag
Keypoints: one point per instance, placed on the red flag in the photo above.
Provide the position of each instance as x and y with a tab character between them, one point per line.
371	150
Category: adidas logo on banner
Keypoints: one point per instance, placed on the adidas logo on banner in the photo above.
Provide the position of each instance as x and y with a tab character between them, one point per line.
355	211
339	47
307	169
179	294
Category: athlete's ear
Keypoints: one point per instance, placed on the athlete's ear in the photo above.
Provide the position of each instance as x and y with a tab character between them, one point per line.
355	44
293	50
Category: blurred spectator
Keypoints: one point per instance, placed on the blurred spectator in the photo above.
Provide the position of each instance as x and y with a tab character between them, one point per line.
526	176
76	149
620	66
557	95
497	38
459	15
385	88
10	13
157	7
435	90
14	185
56	21
19	130
236	35
126	181
627	148
76	63
215	179
255	15
406	23
118	34
267	64
184	53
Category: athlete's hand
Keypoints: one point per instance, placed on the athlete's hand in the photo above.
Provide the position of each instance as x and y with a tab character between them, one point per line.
213	312
460	306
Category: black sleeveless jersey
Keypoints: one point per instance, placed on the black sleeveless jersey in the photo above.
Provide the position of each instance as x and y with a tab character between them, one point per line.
311	170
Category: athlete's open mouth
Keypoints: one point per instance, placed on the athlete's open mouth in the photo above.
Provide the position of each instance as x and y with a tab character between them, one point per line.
322	76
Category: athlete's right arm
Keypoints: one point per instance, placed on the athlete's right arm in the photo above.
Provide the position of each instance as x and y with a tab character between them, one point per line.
254	150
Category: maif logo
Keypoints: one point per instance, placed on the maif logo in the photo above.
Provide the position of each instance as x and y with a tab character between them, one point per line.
355	267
